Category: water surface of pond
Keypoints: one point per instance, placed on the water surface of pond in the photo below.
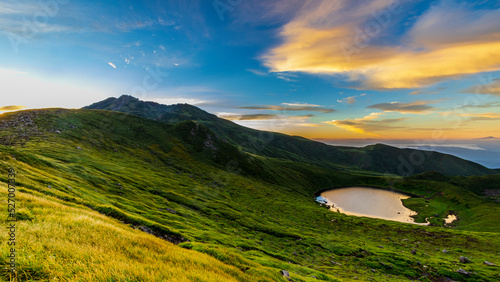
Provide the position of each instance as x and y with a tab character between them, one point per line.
369	202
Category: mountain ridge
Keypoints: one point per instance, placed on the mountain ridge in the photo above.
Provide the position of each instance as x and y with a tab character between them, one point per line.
379	158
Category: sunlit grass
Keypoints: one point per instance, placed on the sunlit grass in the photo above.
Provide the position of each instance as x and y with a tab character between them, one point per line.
77	244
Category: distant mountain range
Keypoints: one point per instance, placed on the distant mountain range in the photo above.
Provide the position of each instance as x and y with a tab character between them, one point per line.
488	138
377	158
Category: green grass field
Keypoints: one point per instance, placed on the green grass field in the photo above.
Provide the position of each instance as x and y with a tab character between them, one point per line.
93	184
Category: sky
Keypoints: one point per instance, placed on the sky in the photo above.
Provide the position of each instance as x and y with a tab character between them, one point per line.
323	69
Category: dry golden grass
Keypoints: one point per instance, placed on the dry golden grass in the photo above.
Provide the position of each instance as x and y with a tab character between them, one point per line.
63	243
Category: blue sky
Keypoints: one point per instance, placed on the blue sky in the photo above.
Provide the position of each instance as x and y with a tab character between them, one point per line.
383	69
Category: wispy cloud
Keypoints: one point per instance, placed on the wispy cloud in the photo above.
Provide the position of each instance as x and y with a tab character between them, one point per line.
286	76
58	16
427	91
350	100
29	18
263	117
249	117
257	72
141	23
112	65
135	43
416	107
463	118
368	124
300	105
483	116
179	100
491	88
270	121
481	106
295	107
321	39
308	124
129	59
9	7
18	28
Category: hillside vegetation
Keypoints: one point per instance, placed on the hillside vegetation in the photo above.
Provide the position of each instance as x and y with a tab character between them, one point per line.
62	241
107	196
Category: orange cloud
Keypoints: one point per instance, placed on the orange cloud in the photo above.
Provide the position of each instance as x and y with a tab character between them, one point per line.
12	108
308	124
368	124
334	37
281	123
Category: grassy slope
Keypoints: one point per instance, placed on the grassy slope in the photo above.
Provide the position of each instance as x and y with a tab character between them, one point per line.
60	241
145	174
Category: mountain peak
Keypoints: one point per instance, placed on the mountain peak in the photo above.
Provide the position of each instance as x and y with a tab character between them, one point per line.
126	97
152	110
